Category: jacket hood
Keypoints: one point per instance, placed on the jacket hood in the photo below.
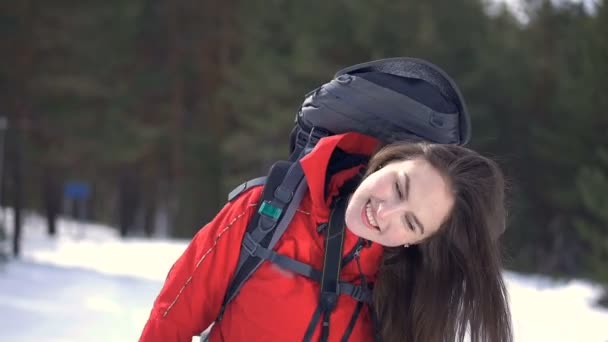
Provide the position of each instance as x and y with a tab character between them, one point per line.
315	166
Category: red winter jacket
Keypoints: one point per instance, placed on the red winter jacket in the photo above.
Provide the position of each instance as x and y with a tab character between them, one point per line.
274	304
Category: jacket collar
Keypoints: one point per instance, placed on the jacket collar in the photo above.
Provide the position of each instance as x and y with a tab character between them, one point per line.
316	162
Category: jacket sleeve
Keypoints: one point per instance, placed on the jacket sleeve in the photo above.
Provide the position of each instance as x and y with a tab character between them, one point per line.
193	292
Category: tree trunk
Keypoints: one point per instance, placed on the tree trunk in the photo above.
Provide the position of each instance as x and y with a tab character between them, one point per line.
215	56
174	63
51	198
18	192
128	201
150	213
22	109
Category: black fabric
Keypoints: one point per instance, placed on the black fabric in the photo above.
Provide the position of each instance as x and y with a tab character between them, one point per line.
341	160
416	89
420	69
334	242
412	68
353	321
354	104
372	312
360	293
313	323
356	249
302	141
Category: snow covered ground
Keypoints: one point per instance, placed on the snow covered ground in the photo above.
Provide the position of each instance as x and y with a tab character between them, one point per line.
89	285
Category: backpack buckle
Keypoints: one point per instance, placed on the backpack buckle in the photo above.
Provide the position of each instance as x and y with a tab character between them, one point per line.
269	210
328	301
250	245
357	293
315	135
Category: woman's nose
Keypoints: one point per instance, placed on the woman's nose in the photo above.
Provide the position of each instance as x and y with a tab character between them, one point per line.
387	209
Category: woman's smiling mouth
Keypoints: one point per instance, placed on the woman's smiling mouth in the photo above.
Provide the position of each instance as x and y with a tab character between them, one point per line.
367	217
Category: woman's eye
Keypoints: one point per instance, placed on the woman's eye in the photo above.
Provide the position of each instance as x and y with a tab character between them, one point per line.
408	224
411	226
398	191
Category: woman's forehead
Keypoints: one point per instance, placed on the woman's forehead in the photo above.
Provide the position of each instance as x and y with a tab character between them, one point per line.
430	197
421	172
417	163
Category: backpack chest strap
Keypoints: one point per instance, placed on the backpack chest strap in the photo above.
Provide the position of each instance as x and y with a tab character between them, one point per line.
359	293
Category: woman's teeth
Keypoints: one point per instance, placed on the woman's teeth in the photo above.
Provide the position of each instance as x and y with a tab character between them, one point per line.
370	217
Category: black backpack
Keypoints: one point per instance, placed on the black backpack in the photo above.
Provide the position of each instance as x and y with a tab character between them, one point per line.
397	99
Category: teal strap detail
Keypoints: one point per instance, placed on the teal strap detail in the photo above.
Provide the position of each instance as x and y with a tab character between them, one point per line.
270	210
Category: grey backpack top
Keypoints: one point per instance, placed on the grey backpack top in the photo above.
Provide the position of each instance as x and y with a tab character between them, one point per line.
395	99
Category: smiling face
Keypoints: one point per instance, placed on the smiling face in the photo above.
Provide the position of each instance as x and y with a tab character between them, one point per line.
402	203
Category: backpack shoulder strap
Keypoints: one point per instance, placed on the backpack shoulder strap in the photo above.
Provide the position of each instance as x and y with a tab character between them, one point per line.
332	262
283	191
246	186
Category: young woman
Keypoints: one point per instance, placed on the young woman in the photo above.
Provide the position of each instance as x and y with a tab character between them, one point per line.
422	226
432	214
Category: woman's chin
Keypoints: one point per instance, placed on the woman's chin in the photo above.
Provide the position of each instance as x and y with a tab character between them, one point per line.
358	231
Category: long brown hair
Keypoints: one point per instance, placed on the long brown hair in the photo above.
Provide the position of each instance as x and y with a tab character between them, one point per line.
450	285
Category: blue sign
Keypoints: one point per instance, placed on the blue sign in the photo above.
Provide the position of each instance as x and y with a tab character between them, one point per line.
77	190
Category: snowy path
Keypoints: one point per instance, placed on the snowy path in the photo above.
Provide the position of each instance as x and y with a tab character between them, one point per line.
89	285
54	303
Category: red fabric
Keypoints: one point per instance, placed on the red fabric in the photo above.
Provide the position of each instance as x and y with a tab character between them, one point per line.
273	305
